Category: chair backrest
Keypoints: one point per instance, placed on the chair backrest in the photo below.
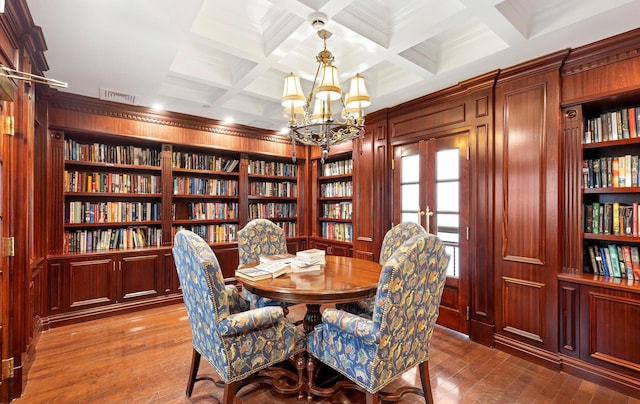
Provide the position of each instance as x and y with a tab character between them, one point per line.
396	236
260	237
407	303
203	288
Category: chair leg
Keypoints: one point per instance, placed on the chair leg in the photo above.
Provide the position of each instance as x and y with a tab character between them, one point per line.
426	382
195	364
372	398
230	390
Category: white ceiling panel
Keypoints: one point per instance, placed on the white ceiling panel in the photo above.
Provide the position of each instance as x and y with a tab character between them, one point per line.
220	59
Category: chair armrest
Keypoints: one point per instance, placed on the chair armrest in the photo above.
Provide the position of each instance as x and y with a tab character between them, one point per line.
246	321
235	300
349	323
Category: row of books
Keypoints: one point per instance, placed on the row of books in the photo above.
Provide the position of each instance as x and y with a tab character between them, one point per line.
211	233
261	167
112	154
336	189
337	210
619	261
611	218
111	212
280	189
212	210
337	231
273	210
197	161
204	186
272	266
337	167
613	125
80	181
611	172
289	228
109	239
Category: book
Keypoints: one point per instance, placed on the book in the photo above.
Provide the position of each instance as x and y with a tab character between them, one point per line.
607	219
633	129
254	274
264	270
628	264
595	221
588	218
604	253
635	262
298	266
600	270
310	256
612	258
594	264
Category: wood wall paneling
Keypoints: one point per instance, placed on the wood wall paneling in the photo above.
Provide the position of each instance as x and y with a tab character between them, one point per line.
55	198
569	319
523	308
602	69
364	208
572	228
527	208
54	287
431	119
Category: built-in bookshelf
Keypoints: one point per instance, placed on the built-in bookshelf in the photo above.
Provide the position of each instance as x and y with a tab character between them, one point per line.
611	192
112	195
273	193
115	189
205	194
335	199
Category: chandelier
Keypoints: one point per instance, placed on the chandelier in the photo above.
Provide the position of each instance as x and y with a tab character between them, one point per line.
335	118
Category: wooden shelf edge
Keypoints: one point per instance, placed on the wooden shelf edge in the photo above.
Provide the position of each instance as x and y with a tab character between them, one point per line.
609	282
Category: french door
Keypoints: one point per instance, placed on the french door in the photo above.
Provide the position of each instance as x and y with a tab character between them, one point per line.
431	188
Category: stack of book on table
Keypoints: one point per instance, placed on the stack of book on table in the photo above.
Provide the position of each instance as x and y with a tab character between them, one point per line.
265	270
308	260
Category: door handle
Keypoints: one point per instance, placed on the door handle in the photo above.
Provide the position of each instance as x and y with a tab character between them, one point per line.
425	213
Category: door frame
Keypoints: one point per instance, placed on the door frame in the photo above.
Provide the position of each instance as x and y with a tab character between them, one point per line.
456	300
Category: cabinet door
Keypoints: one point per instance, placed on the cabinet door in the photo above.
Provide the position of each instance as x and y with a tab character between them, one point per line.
228	258
139	276
332	249
90	282
171	280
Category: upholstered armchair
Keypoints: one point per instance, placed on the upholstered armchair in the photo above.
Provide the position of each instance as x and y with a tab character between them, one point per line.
237	342
393	239
261	237
373	352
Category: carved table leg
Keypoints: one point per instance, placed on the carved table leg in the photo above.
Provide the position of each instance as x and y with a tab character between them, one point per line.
311	318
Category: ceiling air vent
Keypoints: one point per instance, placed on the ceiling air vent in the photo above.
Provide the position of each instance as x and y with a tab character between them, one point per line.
115	96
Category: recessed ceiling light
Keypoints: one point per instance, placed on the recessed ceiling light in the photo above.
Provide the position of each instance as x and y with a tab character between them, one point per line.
157	106
229	119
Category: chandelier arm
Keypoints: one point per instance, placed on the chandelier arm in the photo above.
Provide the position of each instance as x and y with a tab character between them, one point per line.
313	86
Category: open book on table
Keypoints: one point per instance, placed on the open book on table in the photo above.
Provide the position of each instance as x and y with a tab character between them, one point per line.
264	270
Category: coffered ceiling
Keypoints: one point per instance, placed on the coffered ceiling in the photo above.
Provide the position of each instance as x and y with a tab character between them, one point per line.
224	58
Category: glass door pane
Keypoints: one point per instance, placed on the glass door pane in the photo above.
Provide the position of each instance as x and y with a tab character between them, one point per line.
447	209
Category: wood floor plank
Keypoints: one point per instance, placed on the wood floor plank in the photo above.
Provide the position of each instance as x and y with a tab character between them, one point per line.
144	357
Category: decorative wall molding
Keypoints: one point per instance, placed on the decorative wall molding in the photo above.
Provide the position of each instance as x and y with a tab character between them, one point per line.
95	106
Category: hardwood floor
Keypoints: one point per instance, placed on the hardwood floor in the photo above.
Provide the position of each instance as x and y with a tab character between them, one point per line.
144	357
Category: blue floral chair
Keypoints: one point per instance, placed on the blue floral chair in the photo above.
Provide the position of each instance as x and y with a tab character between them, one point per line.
261	237
237	342
393	239
373	352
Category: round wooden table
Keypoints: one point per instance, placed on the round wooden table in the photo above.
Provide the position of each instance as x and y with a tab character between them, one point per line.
343	279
